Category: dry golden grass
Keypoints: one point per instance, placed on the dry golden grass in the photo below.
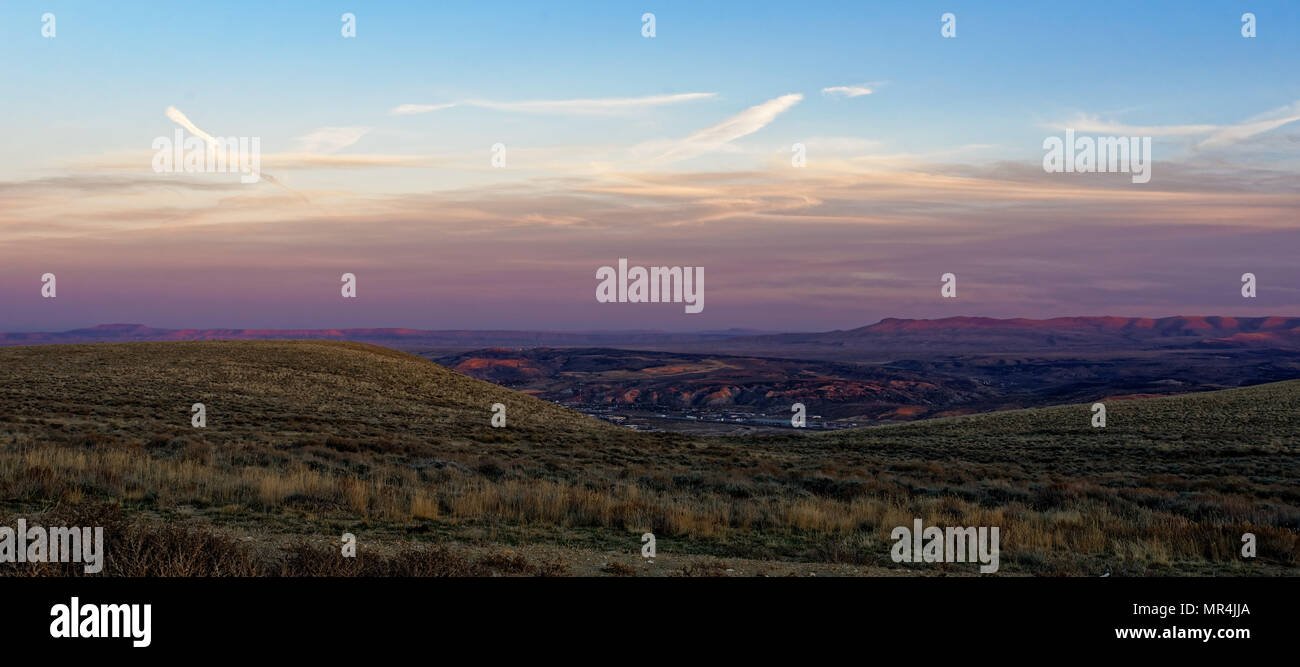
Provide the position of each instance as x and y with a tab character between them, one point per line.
312	435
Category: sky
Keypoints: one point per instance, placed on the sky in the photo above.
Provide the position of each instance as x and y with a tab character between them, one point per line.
824	162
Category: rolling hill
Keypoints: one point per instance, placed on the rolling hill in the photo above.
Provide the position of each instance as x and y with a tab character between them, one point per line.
286	392
308	440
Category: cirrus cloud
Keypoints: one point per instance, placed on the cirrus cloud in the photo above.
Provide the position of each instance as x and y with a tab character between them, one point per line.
413	109
847	91
740	125
331	139
1215	136
598	106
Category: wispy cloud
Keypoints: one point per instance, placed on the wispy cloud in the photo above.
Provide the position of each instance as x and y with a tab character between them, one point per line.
131	161
413	109
847	91
993	218
347	161
177	116
1252	126
1095	124
1215	136
331	139
598	106
740	125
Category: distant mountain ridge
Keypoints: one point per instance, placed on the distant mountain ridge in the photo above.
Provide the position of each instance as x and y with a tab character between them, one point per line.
397	337
960	335
1164	326
890	336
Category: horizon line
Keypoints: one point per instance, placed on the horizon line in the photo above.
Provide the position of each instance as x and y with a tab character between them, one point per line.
722	330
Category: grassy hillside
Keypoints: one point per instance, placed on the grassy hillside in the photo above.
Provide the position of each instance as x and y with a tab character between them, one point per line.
307	440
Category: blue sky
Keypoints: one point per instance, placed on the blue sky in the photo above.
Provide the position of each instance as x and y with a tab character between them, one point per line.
672	151
279	69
